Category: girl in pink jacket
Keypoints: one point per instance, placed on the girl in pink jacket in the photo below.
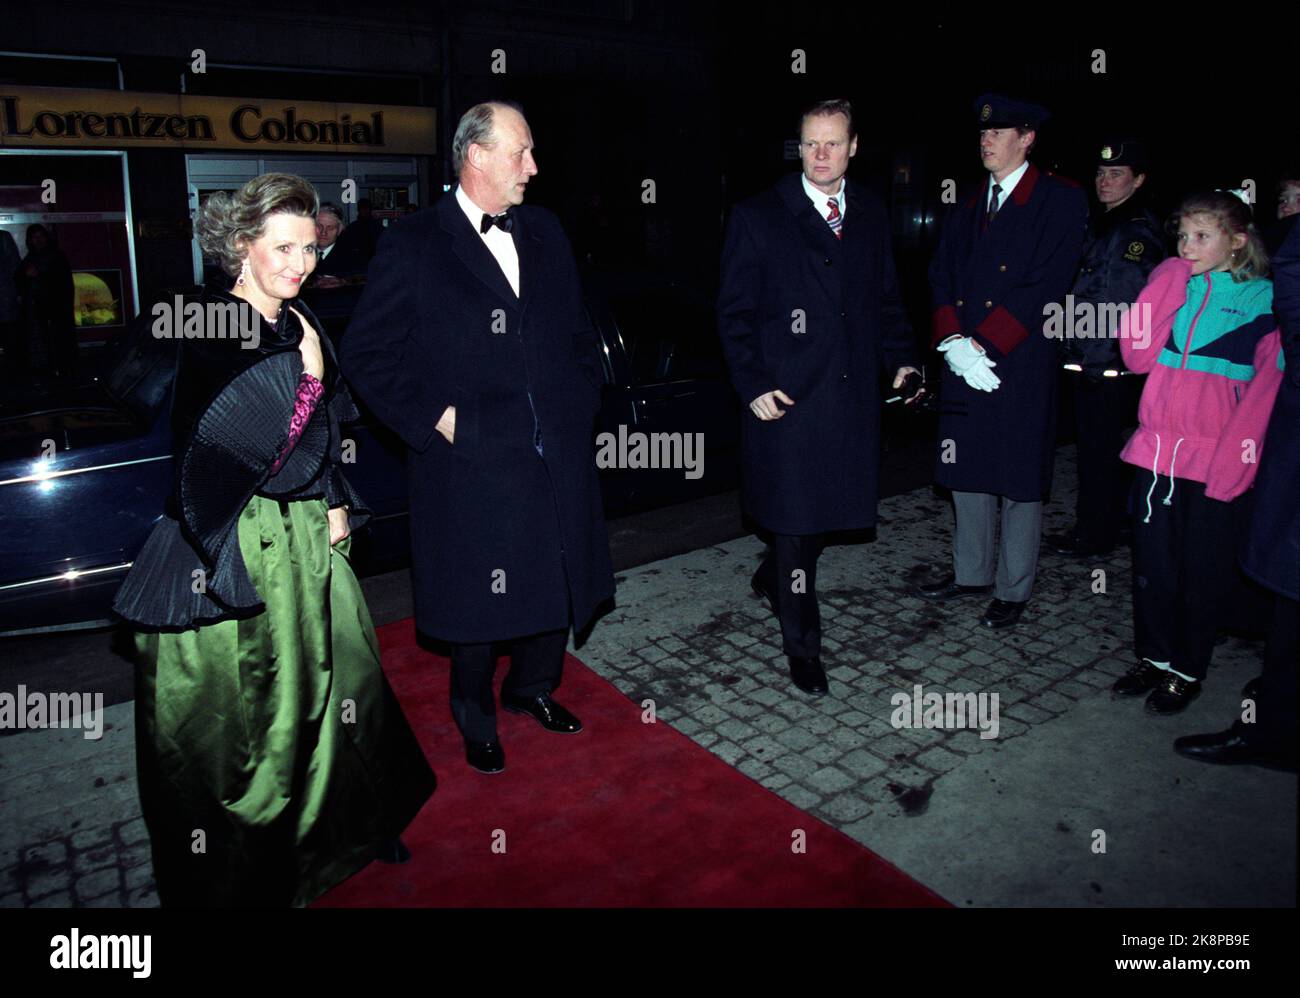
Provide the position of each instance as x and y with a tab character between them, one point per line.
1203	332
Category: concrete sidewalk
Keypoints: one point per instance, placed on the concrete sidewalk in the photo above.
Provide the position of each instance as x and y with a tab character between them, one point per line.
1078	801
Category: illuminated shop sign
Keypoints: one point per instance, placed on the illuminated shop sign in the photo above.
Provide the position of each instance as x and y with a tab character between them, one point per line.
54	116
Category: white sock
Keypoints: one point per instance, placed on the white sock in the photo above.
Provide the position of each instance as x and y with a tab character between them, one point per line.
1190	679
1158	665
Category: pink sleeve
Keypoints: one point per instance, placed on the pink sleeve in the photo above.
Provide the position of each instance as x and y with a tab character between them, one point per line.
1145	328
1231	474
309	392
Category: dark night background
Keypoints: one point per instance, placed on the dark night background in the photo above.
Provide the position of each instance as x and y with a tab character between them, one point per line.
701	97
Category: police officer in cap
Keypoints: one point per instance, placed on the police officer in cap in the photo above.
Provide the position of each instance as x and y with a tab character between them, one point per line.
1005	254
1124	245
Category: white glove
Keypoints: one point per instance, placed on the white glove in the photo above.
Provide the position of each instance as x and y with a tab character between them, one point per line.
979	377
969	362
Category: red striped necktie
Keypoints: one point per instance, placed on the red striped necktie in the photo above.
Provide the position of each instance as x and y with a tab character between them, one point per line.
834	219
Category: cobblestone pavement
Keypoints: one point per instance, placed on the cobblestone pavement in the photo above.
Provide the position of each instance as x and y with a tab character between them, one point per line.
72	835
1020	819
1079	800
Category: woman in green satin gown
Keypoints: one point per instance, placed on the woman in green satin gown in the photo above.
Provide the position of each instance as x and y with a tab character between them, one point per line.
273	758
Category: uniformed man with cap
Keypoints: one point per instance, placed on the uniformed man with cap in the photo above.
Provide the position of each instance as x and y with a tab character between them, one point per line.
1124	245
1005	255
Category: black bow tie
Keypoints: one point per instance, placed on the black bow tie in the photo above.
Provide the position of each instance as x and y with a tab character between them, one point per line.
505	222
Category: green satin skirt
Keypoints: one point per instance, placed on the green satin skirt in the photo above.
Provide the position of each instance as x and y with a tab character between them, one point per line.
273	757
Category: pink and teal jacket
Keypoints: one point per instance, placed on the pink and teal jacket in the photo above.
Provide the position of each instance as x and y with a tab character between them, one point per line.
1213	363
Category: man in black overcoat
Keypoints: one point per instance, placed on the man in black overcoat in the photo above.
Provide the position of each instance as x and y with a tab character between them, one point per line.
472	342
1006	255
811	323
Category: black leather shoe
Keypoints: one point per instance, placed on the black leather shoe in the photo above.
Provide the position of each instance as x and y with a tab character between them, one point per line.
1173	694
1252	689
486	757
1231	748
549	714
1002	613
947	588
1142	678
393	851
762	592
808	675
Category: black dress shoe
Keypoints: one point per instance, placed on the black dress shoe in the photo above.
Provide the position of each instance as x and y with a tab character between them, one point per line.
762	592
393	851
1173	694
808	675
1142	678
1231	748
1252	689
1002	613
549	714
947	588
486	757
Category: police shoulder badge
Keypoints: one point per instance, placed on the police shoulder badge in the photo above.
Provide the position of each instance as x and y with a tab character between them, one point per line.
986	112
1135	250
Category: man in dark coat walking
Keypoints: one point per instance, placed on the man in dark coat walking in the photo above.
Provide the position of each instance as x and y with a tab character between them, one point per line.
810	319
1006	254
1272	555
472	342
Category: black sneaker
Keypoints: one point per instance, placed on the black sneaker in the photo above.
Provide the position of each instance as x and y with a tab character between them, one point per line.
1142	678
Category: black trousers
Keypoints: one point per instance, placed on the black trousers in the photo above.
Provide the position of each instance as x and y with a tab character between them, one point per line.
1103	408
1275	715
60	340
536	663
1184	571
789	571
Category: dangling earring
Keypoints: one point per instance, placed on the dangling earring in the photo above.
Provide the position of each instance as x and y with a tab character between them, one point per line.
242	272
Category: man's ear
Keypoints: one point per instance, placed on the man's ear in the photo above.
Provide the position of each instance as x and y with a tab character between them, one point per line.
853	147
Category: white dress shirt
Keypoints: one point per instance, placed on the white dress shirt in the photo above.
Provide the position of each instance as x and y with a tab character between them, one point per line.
1008	184
821	200
500	244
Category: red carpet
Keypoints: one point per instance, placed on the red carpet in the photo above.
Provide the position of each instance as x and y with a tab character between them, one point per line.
622	814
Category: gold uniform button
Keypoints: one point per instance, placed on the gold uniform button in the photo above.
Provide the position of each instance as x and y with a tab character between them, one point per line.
1002	267
960	302
988	304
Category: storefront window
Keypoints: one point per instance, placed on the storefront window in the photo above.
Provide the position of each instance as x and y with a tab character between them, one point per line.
71	211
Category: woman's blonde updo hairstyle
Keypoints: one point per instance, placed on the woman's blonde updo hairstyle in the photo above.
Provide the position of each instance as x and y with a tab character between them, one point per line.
227	222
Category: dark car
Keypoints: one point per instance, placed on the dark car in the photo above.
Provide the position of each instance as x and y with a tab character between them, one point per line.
84	471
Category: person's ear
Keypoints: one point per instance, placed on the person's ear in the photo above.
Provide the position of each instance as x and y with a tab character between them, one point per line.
1139	180
1239	240
853	147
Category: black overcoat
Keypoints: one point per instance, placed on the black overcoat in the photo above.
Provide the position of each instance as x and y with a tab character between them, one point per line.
1272	551
505	541
994	283
819	318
